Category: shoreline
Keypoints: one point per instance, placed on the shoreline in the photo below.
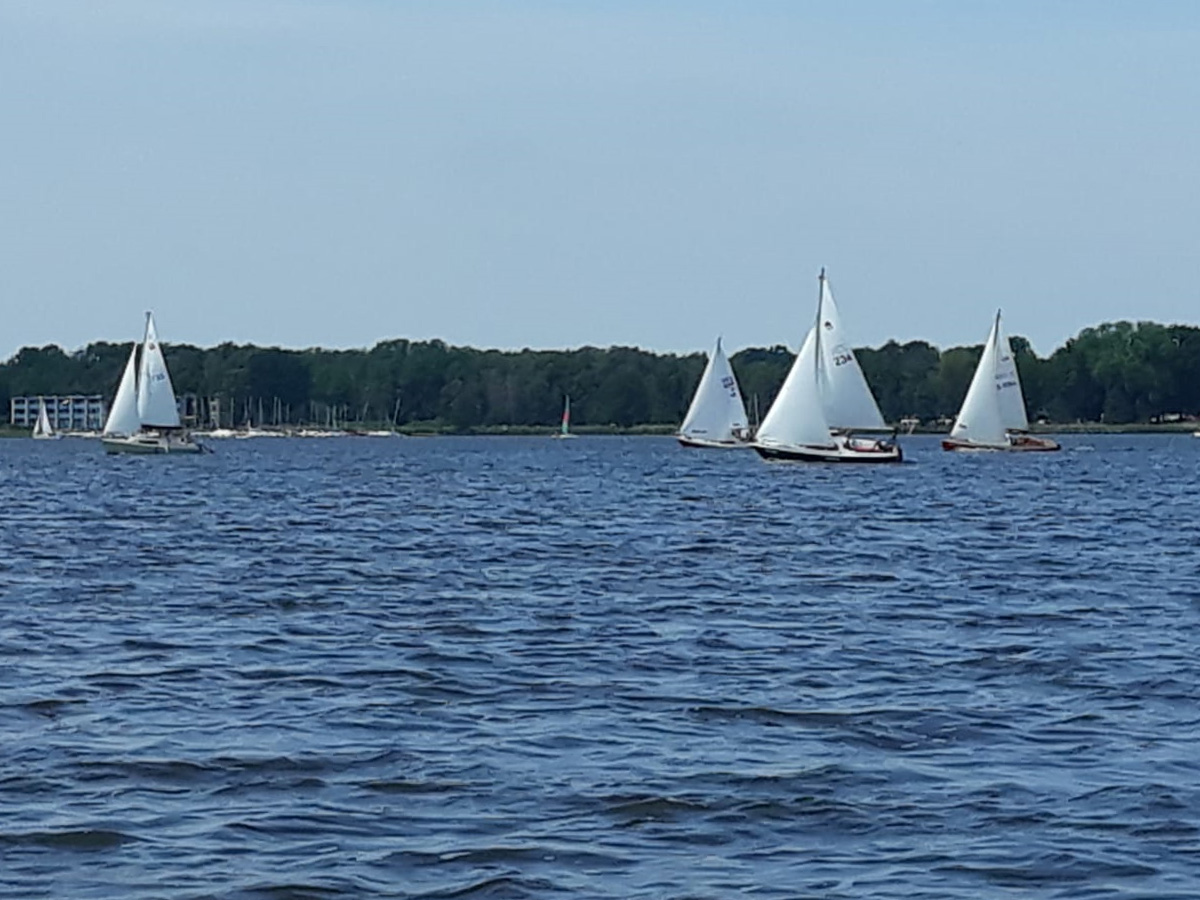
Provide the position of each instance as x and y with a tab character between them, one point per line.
1184	428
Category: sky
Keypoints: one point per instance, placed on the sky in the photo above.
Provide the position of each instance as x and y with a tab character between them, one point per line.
558	174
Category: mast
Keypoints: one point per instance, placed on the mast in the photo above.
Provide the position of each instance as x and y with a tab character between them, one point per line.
820	309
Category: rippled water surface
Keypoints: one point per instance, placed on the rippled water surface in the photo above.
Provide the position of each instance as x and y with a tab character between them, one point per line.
608	667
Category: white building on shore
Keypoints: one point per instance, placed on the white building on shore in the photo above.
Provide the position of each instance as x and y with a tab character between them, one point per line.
69	412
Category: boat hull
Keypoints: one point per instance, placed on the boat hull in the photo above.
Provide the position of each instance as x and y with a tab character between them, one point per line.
148	444
842	452
702	444
1016	444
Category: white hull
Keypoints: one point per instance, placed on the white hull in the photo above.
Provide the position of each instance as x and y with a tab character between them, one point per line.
844	450
258	433
705	444
150	443
53	436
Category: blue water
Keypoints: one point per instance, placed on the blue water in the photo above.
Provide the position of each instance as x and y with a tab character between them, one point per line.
609	667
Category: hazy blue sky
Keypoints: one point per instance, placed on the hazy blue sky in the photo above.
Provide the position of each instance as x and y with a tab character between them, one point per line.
540	174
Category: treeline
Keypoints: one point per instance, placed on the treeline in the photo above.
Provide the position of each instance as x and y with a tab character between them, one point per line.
1117	373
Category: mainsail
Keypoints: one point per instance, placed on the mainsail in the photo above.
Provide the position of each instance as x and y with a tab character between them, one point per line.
797	417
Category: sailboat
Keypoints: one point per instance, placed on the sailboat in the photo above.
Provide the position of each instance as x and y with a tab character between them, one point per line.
144	417
993	412
717	414
42	429
825	406
564	430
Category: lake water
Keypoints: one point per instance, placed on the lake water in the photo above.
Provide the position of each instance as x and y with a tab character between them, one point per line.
607	667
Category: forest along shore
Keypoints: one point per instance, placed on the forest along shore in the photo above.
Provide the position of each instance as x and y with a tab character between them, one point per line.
1117	374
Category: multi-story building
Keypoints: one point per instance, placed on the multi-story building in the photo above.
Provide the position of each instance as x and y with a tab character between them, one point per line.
73	412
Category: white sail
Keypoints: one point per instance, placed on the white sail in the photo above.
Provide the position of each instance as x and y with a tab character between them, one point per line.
717	412
156	398
1008	384
849	403
980	419
123	415
42	428
797	417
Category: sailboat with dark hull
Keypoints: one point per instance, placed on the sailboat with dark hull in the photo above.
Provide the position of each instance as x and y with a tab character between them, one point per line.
825	411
